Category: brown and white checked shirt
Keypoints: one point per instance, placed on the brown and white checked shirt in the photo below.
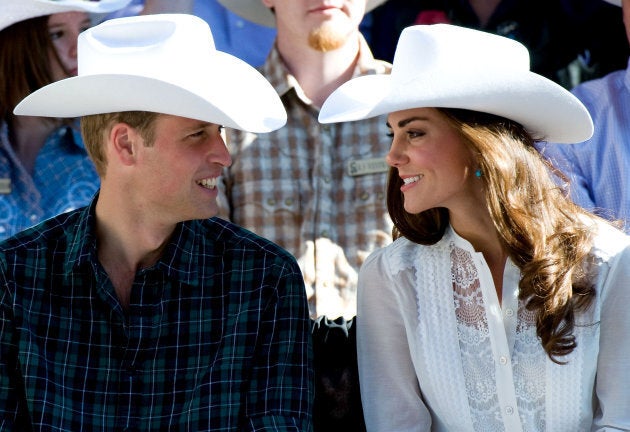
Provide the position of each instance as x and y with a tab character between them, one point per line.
317	190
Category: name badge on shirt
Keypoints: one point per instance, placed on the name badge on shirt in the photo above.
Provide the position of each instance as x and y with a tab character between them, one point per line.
5	186
361	167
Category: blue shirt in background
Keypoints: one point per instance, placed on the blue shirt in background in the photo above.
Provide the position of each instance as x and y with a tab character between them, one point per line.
63	179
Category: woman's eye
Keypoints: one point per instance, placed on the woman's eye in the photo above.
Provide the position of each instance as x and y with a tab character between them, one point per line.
56	35
415	134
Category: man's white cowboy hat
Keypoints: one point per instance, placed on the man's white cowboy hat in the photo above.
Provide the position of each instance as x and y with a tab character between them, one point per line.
165	63
447	66
256	11
14	11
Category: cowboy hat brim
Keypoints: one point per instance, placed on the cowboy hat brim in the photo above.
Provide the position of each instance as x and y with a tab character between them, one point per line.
532	101
14	11
255	11
98	94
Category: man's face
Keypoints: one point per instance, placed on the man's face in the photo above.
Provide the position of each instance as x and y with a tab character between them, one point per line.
178	174
325	25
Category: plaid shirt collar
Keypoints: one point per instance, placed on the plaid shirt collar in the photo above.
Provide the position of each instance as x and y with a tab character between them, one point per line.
277	72
183	248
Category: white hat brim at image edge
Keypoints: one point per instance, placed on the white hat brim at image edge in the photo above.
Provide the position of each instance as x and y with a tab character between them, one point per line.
14	11
257	12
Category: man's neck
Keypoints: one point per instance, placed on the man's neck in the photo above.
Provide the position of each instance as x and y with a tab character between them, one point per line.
127	241
319	73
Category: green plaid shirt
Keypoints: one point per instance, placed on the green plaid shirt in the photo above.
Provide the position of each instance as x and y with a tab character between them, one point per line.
216	338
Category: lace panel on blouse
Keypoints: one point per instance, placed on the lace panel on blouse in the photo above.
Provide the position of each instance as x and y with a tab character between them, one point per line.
477	356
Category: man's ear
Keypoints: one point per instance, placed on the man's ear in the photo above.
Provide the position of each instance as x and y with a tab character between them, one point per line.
267	3
123	140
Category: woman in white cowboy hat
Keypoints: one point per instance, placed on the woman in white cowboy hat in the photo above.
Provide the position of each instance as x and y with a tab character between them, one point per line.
501	305
44	169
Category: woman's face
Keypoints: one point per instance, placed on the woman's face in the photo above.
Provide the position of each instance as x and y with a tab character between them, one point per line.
64	29
436	166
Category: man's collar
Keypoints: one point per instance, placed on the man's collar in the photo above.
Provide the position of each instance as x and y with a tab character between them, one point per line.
276	71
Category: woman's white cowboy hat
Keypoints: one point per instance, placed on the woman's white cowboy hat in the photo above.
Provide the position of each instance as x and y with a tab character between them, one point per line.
14	11
165	63
447	66
256	11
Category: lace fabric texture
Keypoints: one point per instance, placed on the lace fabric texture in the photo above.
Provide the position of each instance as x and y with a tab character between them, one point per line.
477	356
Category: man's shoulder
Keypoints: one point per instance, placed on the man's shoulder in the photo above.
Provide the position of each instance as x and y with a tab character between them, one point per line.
48	234
602	90
233	237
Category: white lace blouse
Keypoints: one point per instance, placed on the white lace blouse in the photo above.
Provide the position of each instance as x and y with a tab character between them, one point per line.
438	352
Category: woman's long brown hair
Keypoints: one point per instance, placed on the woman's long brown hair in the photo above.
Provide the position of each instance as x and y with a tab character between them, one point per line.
543	231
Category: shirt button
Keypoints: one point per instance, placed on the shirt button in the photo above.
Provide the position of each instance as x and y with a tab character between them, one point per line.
288	201
271	201
33	218
324	233
503	360
509	312
509	410
365	196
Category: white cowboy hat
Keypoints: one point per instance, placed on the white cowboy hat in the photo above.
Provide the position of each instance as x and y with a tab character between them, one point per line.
14	11
164	63
614	2
447	66
256	11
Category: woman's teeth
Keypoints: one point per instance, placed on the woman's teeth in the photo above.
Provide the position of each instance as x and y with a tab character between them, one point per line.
410	180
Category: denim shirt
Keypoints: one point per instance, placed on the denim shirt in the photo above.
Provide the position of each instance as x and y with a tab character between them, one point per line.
63	179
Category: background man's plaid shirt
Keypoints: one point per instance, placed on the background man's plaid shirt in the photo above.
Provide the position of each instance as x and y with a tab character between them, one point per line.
295	187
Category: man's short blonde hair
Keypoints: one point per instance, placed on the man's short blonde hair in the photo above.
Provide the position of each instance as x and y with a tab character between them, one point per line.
95	128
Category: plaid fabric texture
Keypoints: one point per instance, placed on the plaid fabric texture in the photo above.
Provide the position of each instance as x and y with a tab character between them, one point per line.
316	190
216	337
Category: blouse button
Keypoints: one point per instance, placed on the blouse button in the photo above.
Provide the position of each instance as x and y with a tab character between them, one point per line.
509	410
503	360
509	312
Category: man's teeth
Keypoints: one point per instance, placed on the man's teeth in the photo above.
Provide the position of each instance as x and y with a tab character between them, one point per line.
410	180
209	183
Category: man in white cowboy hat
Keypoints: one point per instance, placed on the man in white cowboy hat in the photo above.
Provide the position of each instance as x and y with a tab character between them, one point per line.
598	170
318	191
142	311
44	168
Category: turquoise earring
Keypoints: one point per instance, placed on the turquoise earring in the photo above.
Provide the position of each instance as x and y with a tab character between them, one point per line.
478	173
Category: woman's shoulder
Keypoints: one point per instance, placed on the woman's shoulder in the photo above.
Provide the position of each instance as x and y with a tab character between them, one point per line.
403	254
